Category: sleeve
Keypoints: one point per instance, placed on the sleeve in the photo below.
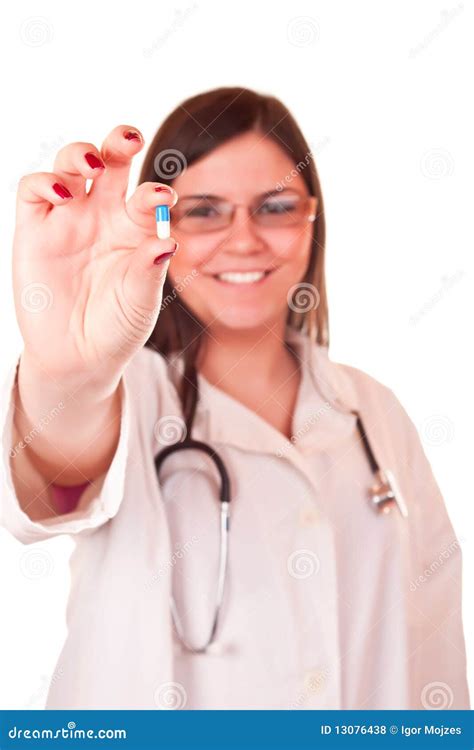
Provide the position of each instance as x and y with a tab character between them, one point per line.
437	648
98	502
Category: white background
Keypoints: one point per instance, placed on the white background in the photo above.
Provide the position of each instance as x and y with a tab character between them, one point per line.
382	92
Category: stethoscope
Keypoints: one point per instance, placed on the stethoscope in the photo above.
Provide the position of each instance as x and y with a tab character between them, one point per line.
384	495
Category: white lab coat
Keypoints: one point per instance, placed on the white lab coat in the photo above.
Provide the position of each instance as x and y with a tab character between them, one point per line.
328	605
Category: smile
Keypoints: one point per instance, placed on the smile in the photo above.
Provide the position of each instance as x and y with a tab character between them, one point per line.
241	277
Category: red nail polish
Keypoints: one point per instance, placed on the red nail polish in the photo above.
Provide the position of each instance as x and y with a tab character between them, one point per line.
163	188
162	258
94	162
132	135
61	190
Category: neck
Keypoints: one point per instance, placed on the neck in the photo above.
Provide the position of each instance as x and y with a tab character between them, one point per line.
237	356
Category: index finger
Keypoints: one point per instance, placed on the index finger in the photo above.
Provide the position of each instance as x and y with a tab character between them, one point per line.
117	151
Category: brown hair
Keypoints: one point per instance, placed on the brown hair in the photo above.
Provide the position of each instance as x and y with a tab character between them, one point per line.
192	130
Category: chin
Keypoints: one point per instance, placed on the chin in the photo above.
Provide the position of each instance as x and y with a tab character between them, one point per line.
244	318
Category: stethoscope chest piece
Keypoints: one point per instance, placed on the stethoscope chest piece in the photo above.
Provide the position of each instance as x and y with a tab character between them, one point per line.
385	494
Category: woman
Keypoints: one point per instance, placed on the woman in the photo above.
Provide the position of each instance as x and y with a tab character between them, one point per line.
327	603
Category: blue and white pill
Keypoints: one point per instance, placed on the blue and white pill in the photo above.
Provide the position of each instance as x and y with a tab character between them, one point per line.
162	222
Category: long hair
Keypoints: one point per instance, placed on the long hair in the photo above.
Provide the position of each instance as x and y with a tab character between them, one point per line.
194	129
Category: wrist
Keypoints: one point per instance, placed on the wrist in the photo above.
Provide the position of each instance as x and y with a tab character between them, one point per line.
52	384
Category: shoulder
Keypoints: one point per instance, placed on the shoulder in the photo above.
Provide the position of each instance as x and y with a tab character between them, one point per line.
352	387
373	392
381	407
366	385
357	390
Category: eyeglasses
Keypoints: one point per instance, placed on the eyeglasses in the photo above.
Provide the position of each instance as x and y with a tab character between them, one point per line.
208	213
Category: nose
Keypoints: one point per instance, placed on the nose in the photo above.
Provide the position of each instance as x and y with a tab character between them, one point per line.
242	237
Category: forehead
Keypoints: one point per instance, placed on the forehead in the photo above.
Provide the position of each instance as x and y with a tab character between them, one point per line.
245	166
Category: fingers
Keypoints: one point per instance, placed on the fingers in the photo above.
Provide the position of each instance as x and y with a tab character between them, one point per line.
37	192
117	151
140	206
76	163
145	276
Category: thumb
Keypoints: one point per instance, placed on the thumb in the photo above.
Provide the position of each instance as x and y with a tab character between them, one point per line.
146	274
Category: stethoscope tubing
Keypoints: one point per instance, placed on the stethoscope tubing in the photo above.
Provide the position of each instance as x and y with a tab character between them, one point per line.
383	495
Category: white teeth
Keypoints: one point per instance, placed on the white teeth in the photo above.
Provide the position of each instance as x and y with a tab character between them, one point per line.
235	277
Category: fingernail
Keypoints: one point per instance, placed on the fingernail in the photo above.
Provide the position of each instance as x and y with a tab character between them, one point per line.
61	190
165	256
163	188
132	135
94	162
162	258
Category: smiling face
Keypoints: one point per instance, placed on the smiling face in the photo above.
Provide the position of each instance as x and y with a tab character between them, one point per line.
217	256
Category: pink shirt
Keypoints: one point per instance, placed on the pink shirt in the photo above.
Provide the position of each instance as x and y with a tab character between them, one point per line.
328	604
66	499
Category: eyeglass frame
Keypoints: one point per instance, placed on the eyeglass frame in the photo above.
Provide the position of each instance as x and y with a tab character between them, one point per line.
312	202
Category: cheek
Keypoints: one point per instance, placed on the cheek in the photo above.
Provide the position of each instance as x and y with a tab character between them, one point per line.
290	247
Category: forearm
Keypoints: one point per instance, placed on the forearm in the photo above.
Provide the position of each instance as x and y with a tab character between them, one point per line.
68	431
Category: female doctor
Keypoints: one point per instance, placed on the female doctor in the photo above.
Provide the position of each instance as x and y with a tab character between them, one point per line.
300	554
